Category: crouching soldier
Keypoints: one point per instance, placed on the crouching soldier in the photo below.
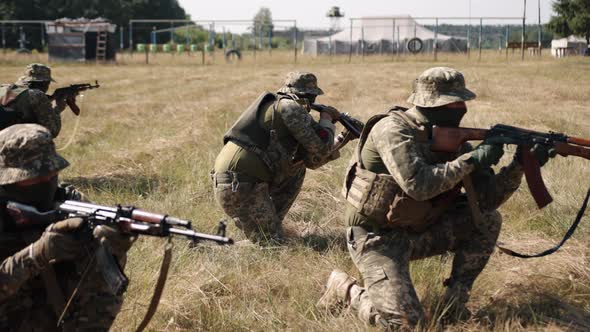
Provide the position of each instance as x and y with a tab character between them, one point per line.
260	169
41	271
25	100
405	203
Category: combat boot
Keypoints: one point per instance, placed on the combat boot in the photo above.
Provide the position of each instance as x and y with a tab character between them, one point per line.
455	303
337	290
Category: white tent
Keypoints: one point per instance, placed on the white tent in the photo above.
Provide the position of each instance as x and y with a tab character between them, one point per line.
571	45
382	35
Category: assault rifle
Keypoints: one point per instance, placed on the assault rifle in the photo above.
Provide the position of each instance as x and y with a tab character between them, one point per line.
128	220
72	91
447	139
353	126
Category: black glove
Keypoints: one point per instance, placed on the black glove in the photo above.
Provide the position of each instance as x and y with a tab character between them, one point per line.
486	155
541	152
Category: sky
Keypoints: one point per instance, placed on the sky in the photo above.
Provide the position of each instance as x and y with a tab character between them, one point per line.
312	13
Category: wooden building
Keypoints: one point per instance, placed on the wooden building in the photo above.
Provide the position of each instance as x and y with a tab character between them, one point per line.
81	40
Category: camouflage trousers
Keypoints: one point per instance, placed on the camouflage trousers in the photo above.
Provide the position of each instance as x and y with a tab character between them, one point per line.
388	297
92	309
258	209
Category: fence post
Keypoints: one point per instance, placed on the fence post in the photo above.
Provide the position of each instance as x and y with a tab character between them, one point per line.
131	37
3	39
171	32
523	31
350	45
362	43
42	35
295	42
398	43
480	37
435	46
392	38
270	41
469	39
507	39
540	31
121	36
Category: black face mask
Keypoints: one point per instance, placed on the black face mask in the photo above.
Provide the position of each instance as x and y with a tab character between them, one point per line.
43	86
310	98
39	195
443	116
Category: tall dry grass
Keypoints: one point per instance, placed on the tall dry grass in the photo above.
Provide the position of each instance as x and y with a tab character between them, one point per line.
150	134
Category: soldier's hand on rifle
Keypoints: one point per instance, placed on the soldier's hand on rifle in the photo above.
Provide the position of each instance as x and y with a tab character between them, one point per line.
541	152
61	241
330	113
119	242
486	155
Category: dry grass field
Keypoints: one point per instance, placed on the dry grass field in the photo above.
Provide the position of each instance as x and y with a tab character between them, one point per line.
150	134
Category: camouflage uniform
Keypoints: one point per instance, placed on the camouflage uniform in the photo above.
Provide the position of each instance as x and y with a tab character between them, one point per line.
382	252
28	105
26	302
261	168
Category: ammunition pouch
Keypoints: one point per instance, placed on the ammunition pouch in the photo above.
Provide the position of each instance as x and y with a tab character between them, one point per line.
379	198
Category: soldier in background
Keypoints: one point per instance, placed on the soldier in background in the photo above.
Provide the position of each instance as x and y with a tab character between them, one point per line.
25	101
260	170
39	270
404	203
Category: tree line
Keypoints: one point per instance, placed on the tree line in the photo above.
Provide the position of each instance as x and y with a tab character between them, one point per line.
117	11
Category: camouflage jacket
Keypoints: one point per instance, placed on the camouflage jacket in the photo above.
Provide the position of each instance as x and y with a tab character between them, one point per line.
32	105
423	174
24	303
314	139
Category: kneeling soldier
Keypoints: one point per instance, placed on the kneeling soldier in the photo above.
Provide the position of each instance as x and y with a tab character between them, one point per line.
260	170
404	203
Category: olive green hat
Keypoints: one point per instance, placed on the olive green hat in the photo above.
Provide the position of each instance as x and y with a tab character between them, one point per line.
301	83
27	151
36	72
439	86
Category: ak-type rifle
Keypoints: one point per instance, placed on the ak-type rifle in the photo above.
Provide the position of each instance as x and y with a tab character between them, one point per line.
71	91
126	219
353	126
448	139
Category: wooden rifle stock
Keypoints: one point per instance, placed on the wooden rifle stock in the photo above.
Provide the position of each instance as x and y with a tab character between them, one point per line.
445	139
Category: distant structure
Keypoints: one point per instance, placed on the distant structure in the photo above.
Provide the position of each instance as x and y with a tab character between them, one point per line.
81	39
569	46
335	15
374	35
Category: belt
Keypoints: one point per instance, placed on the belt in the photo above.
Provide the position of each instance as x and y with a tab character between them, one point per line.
233	178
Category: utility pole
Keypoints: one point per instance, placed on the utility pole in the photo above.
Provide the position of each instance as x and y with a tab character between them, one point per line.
523	31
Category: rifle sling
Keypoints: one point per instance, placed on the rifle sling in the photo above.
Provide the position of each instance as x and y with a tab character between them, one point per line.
159	287
568	234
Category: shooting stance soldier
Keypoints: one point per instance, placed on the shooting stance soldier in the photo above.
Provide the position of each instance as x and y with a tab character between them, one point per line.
404	203
26	102
260	170
41	270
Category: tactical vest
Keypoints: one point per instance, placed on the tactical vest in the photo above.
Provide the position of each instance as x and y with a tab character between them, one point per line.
248	133
380	198
8	115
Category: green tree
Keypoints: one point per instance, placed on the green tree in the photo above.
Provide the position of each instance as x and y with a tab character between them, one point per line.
262	22
573	17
